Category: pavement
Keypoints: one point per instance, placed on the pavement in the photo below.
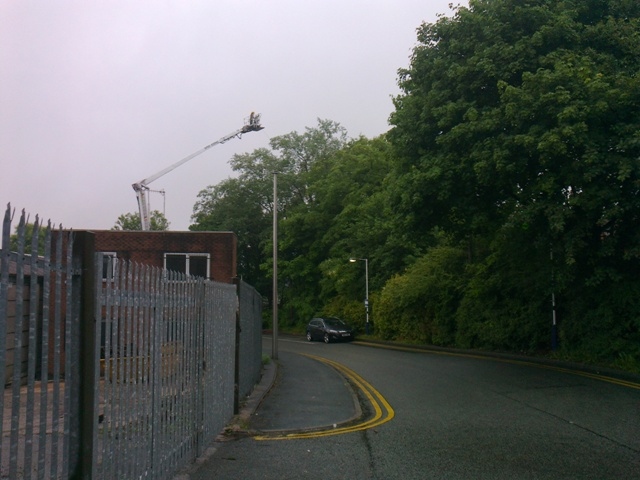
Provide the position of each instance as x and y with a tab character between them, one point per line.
296	394
304	395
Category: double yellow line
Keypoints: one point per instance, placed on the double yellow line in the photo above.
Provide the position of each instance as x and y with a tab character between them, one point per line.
383	412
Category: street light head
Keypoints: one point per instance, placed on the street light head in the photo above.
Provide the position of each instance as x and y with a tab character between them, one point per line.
353	260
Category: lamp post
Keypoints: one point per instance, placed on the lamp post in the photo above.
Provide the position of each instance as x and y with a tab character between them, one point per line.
366	282
274	343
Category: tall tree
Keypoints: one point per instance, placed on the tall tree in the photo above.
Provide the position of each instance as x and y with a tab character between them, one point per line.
519	122
131	221
342	219
245	204
352	197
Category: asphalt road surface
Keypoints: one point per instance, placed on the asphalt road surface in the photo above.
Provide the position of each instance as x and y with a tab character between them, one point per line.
455	417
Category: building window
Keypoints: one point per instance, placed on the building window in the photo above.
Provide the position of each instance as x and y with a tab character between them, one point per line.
109	261
194	264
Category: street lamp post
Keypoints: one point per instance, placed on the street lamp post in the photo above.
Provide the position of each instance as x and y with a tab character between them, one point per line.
366	282
274	340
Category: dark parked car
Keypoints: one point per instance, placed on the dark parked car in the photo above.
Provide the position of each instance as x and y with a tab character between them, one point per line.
329	329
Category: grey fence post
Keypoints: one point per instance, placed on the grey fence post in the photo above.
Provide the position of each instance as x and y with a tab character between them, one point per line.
236	384
84	251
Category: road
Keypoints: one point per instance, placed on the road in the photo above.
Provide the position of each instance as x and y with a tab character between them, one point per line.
455	417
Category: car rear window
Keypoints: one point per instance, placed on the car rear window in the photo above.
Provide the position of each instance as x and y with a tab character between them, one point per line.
334	322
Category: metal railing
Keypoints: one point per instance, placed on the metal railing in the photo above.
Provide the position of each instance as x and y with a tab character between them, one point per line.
166	374
38	410
250	334
128	371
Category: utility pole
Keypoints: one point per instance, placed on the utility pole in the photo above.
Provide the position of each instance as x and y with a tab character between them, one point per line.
274	301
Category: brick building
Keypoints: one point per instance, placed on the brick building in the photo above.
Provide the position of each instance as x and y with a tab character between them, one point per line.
212	255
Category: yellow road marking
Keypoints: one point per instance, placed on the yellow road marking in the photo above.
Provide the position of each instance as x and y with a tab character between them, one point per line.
383	412
595	376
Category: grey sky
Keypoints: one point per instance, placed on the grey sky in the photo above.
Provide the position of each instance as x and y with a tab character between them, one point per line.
98	94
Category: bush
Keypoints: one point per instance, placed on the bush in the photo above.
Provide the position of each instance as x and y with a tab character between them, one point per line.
351	311
505	307
601	325
420	305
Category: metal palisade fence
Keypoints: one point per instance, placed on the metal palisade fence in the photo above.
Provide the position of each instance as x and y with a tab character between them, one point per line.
249	339
114	369
37	351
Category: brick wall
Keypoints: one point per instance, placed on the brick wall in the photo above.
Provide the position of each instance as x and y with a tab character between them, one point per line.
149	248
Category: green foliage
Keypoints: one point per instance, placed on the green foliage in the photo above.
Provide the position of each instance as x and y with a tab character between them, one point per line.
602	324
245	205
420	304
504	308
520	106
241	205
28	238
131	221
511	174
351	311
358	220
518	131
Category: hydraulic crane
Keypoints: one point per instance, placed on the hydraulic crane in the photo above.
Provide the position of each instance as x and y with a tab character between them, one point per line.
142	187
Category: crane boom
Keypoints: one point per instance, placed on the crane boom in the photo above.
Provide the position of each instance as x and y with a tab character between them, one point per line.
142	187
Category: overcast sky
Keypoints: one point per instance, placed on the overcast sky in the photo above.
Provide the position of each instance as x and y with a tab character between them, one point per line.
98	94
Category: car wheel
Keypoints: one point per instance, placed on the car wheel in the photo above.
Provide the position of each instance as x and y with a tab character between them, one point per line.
326	338
309	337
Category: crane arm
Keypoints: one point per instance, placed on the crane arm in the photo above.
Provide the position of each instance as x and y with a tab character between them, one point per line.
141	188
